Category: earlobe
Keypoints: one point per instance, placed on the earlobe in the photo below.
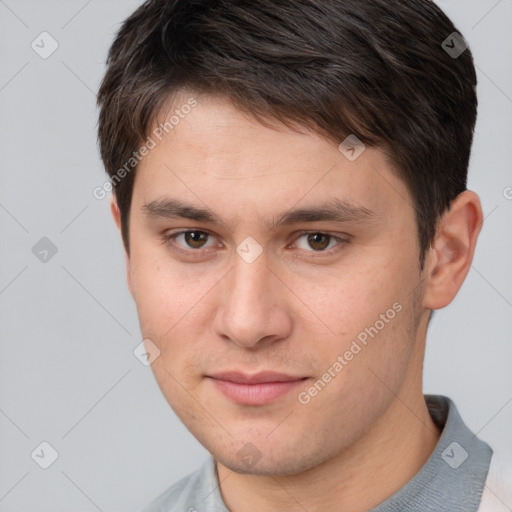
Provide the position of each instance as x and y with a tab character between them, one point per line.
451	254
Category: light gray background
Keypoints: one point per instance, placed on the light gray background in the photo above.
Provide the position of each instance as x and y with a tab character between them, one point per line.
68	326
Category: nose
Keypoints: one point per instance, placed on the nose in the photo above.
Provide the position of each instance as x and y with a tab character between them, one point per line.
253	308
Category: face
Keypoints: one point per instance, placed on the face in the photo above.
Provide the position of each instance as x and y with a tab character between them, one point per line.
277	278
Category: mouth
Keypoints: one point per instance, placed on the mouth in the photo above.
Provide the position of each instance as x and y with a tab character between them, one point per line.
256	389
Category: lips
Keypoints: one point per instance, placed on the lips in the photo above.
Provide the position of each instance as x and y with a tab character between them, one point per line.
256	389
256	378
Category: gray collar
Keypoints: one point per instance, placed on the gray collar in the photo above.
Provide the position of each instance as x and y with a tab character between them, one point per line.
453	478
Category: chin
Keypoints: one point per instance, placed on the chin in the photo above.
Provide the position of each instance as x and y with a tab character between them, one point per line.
268	461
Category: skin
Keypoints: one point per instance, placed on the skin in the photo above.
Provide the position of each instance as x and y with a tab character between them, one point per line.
294	309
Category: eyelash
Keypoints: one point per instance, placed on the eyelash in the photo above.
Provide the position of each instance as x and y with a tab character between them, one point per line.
168	238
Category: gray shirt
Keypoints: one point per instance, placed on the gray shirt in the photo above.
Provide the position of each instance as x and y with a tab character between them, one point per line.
452	479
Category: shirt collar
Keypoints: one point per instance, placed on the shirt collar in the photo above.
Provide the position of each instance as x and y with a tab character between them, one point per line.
453	477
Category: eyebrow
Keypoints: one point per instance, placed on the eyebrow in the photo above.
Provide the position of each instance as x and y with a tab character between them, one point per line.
336	210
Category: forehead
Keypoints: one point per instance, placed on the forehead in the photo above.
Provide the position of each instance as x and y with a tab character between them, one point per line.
215	154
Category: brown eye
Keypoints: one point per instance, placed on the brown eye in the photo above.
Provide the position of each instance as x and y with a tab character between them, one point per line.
195	239
191	243
319	241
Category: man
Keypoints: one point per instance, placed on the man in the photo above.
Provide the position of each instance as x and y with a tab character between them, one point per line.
290	186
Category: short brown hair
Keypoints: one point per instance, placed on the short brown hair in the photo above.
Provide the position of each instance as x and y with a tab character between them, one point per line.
373	68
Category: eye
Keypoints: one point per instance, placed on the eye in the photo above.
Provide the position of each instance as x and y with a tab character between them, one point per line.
318	241
192	239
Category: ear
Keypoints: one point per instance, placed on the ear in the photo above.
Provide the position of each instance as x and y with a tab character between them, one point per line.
449	259
116	214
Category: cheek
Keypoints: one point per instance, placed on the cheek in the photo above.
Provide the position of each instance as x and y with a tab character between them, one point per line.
370	319
173	306
362	377
349	300
158	302
160	291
